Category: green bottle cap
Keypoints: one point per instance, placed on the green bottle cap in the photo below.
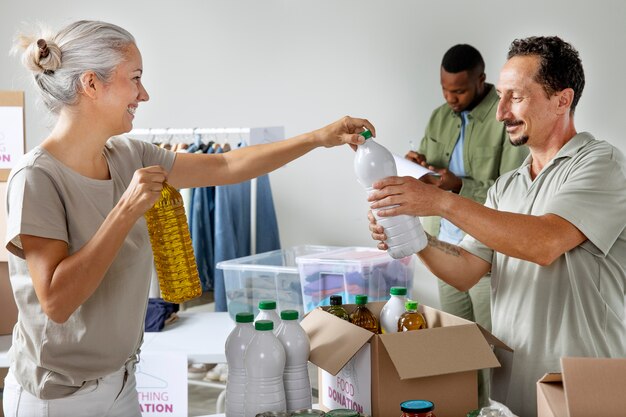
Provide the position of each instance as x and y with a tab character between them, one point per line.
361	299
289	315
244	318
366	134
264	325
410	305
397	291
417	406
267	305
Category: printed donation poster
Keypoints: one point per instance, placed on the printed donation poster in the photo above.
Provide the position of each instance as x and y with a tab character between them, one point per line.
162	384
11	130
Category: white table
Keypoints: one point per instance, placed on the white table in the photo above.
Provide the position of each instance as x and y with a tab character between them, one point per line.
200	335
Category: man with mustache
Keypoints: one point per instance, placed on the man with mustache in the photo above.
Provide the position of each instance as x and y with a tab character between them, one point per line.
552	233
469	149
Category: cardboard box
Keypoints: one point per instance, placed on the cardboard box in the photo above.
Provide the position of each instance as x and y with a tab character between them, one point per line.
586	387
375	373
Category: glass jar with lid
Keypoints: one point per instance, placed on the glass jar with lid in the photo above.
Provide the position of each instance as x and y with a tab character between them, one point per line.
417	408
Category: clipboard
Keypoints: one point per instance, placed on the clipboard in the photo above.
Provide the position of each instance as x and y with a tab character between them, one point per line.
12	131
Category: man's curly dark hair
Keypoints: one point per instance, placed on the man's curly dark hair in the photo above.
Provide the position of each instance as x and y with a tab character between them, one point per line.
560	66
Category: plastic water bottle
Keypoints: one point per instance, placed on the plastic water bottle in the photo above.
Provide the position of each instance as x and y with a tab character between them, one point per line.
171	245
267	311
297	349
392	310
264	361
373	162
236	345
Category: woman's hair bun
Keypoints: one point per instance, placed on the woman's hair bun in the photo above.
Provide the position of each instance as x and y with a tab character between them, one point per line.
40	55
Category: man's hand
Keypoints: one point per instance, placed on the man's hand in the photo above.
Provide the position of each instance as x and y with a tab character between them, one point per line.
446	180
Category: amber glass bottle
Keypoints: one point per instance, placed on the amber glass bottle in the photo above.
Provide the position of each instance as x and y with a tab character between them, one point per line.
411	319
362	316
171	245
336	308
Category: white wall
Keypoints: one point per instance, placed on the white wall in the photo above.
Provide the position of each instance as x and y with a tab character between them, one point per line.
304	63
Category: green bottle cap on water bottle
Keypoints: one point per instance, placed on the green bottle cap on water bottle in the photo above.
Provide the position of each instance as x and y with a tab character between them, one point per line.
264	325
366	134
267	305
397	291
244	318
289	315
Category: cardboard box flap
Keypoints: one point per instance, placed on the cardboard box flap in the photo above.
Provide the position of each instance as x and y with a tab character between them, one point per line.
329	349
594	386
551	377
439	351
492	340
550	396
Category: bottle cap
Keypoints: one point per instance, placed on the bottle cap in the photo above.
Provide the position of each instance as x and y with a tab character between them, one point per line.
267	305
417	406
361	299
289	315
336	300
397	291
366	134
264	325
244	318
410	305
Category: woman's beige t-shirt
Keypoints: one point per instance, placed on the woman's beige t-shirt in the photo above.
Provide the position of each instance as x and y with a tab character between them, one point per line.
47	199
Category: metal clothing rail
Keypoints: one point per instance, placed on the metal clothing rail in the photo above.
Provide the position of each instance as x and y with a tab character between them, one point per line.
256	135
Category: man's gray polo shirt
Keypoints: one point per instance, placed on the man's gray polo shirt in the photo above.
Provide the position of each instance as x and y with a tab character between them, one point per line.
575	306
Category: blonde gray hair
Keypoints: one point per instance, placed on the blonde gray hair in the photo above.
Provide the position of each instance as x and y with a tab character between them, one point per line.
79	47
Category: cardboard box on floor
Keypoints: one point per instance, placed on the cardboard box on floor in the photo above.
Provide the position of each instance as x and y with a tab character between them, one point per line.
586	387
375	373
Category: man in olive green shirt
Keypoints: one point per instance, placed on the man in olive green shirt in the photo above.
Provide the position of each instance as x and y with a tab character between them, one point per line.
469	149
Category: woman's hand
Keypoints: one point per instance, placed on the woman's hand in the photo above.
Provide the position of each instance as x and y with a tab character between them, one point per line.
378	233
144	190
345	130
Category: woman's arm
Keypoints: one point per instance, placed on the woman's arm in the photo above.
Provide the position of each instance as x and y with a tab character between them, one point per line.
62	281
202	170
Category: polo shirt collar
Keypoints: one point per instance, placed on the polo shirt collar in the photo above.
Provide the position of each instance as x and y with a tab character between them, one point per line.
568	150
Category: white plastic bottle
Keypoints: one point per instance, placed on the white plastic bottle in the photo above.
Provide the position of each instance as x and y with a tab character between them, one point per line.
392	310
264	362
297	349
267	311
373	162
236	345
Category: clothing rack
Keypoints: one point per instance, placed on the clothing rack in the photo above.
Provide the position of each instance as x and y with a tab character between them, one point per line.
249	135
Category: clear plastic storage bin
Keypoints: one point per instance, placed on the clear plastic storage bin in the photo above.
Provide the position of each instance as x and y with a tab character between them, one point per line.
266	276
351	271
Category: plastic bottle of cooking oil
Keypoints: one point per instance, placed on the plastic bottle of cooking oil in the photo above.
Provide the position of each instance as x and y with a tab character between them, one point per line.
336	309
362	316
411	319
171	245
